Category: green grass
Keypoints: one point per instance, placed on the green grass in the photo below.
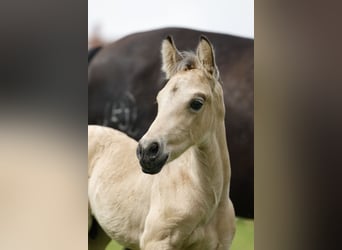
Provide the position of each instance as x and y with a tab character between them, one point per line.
244	237
114	246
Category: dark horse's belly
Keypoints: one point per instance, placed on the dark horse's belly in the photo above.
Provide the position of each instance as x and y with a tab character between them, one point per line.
125	76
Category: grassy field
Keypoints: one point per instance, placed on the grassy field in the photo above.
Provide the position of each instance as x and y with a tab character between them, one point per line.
244	238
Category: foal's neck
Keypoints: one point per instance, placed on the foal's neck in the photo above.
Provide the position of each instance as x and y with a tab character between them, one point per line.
213	166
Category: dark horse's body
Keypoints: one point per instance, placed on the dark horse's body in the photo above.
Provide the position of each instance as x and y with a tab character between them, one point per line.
125	76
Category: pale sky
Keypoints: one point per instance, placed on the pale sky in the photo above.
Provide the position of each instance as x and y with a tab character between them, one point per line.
117	18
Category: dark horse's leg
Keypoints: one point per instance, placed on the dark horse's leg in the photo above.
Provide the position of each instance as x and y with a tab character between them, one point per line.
97	238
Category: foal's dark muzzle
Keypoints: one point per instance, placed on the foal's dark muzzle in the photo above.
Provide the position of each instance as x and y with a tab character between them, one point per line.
151	157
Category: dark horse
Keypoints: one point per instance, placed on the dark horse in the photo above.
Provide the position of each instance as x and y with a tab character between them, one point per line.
125	76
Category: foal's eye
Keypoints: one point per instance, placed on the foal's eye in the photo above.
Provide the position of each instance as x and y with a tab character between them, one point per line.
196	104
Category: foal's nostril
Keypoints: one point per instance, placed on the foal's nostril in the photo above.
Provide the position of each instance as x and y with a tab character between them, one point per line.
153	150
139	152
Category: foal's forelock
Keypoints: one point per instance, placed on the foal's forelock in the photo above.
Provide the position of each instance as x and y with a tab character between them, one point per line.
188	61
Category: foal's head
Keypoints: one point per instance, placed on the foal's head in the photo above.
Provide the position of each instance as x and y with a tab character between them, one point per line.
189	106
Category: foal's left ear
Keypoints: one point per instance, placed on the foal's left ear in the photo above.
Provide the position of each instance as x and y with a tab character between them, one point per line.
170	56
206	55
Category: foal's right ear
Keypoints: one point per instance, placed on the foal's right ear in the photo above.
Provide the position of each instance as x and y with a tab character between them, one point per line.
206	55
170	56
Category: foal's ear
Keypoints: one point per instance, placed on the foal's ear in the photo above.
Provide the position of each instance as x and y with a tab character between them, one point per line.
170	56
206	56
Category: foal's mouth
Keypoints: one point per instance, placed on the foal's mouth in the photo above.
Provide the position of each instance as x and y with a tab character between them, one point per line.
155	166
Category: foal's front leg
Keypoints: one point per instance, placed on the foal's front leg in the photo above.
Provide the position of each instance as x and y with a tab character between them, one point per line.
156	241
158	245
160	237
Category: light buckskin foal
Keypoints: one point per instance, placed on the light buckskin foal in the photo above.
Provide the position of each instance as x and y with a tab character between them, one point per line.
170	191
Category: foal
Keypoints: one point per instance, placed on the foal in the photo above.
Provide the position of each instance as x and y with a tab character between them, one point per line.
181	202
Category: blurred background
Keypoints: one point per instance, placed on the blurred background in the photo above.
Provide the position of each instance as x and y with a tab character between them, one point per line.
110	20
